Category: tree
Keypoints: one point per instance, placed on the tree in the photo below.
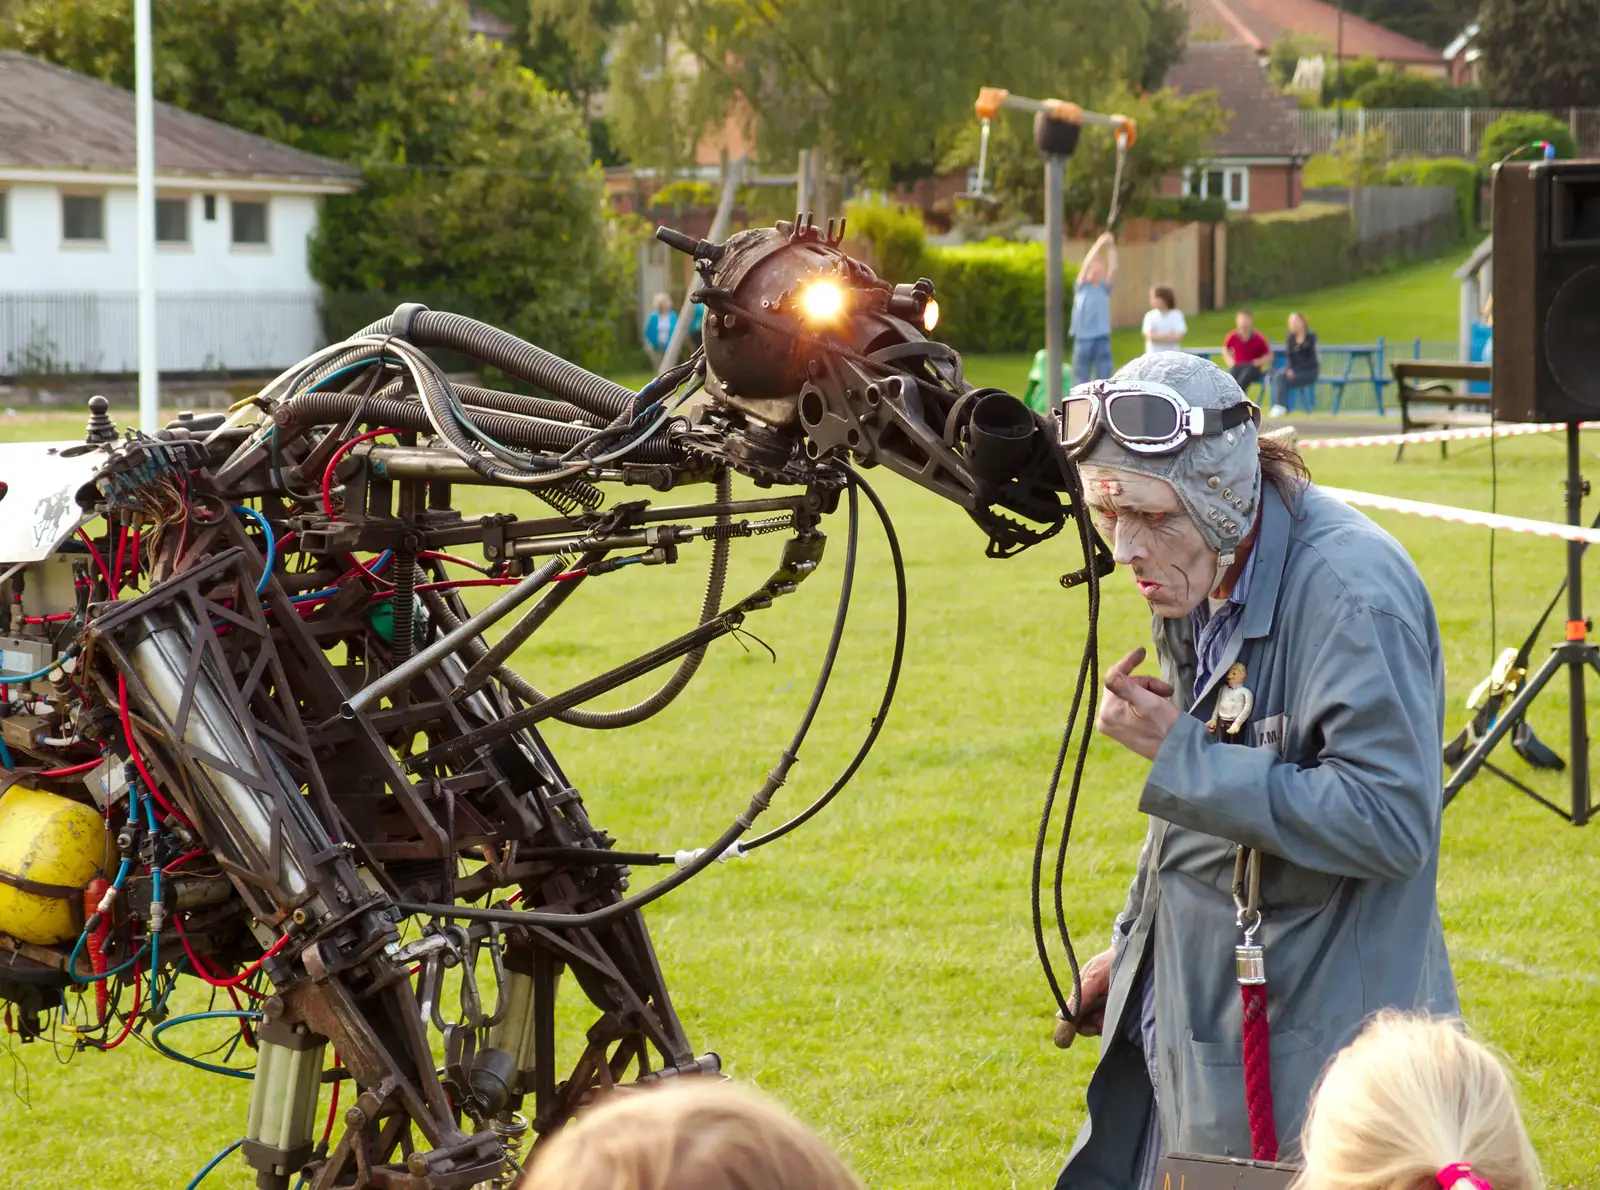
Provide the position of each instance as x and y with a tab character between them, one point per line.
875	84
1164	45
477	180
1541	53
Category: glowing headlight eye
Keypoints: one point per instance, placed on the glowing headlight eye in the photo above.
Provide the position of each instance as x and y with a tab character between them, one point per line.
822	301
930	315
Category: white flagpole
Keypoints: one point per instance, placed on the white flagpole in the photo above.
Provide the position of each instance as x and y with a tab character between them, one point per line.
145	197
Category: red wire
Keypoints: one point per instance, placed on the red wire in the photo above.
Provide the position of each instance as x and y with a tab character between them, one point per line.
98	561
343	449
133	1015
116	569
138	760
183	859
232	981
452	584
435	554
244	1024
333	1106
73	769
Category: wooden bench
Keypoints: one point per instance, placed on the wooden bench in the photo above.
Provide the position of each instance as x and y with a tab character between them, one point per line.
1430	400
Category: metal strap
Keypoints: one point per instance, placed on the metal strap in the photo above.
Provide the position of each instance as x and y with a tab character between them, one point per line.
35	888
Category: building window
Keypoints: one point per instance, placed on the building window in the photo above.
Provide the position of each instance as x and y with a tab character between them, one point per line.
83	218
1231	184
172	220
211	208
249	222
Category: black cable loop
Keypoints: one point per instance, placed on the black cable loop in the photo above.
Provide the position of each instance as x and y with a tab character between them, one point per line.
741	824
1088	673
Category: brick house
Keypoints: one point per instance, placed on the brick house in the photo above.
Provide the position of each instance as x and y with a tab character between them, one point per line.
1258	23
1254	164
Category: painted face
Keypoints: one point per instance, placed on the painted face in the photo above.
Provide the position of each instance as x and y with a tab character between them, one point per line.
1151	534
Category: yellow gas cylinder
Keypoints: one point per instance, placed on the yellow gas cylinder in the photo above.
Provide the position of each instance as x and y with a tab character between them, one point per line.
50	848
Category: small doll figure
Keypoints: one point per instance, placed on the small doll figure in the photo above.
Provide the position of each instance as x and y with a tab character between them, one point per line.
1234	703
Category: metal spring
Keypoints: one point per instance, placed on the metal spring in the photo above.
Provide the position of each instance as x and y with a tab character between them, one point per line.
572	496
511	1128
746	528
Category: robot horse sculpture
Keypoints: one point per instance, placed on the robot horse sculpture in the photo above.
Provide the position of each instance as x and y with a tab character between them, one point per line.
253	735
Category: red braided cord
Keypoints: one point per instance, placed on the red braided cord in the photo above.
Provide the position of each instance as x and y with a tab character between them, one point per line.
1258	1073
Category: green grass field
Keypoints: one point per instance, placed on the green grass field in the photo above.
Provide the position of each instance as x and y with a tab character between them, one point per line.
875	971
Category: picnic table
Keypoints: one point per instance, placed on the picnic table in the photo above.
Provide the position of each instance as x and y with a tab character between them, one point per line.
1369	355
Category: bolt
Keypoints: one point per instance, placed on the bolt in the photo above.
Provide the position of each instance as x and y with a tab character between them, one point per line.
355	1118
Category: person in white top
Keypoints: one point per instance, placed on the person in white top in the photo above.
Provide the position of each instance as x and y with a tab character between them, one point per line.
1164	326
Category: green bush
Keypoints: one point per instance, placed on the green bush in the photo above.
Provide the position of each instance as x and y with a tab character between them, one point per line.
894	234
1356	75
991	294
1393	89
1520	130
1461	176
1306	247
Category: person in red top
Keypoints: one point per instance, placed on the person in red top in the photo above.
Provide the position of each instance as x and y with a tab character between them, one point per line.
1245	354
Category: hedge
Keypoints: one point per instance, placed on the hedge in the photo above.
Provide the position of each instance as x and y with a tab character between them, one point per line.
1461	176
1520	130
1305	247
991	294
894	234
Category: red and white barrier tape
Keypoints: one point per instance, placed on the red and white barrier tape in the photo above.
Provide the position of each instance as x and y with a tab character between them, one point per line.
1464	516
1497	431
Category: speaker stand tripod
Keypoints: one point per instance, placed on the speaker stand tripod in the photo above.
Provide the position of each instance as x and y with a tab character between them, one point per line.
1576	654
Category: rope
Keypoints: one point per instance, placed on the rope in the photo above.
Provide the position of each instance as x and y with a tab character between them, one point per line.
1258	1073
1116	182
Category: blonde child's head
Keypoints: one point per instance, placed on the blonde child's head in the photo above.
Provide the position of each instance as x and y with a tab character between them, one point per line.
1412	1097
689	1134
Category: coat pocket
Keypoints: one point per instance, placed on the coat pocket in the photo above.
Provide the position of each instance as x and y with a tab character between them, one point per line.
1211	1115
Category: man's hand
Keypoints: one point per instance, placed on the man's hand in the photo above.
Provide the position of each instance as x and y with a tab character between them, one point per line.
1095	978
1135	711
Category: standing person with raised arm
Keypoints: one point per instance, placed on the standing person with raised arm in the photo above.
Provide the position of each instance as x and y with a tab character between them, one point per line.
1091	312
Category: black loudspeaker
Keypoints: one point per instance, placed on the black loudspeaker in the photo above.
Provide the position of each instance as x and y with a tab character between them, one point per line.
1547	291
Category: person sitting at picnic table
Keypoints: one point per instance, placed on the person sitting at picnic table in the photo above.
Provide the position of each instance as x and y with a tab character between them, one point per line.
1300	369
1091	313
1164	326
1245	353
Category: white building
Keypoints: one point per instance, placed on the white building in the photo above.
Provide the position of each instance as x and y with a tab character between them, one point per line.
234	215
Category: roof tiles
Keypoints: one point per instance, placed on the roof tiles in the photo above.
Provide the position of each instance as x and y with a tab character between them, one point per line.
53	118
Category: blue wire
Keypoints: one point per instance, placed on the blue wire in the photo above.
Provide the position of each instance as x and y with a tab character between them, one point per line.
272	543
356	367
167	1051
5	756
34	676
212	1164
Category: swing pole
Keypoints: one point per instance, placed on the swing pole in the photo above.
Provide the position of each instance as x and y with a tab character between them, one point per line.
1055	145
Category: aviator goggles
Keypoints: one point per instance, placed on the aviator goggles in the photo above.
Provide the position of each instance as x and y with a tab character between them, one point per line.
1144	416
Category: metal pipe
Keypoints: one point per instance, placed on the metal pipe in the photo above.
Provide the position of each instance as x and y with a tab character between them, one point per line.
144	121
401	675
1054	178
1577	707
